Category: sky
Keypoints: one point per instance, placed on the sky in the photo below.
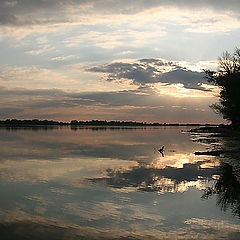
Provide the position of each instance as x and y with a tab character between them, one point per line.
139	60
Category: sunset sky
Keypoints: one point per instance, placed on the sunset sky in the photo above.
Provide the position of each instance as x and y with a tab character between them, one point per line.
136	60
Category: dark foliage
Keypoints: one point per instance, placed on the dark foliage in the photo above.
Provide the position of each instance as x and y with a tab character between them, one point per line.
227	189
75	123
127	123
33	122
228	79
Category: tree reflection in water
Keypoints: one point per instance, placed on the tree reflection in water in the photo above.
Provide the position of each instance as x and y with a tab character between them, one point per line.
227	189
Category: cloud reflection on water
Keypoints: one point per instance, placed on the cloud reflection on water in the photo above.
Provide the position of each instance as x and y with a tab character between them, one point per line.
29	227
104	184
167	179
125	144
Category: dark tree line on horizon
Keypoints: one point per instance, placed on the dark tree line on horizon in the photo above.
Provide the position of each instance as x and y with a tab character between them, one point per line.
33	122
128	123
37	122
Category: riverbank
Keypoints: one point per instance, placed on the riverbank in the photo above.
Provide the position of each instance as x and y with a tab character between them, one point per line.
222	141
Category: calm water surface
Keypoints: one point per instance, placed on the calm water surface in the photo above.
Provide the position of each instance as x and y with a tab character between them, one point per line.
112	183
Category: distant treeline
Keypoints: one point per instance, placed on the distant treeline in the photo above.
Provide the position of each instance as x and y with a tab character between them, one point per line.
126	123
36	122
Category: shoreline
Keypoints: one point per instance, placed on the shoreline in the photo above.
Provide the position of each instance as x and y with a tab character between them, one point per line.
220	140
223	142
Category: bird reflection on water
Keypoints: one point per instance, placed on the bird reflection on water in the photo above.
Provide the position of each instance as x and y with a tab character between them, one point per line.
161	150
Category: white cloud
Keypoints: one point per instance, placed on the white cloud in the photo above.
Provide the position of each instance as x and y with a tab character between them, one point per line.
64	58
42	50
33	77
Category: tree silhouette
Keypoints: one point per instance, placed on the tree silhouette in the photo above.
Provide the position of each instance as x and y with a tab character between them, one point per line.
228	79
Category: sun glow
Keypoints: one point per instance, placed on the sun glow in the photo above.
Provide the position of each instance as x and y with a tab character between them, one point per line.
179	91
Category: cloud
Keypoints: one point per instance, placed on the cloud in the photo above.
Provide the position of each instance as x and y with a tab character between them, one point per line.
143	104
9	112
64	58
152	90
33	77
41	51
24	12
43	16
150	71
188	78
116	38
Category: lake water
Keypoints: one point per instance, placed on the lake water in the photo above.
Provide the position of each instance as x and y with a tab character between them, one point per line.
112	183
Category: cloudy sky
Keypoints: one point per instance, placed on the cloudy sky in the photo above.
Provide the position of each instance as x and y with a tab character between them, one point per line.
113	59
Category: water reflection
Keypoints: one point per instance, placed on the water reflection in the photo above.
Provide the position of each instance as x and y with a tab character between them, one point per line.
167	179
108	184
227	189
129	143
38	228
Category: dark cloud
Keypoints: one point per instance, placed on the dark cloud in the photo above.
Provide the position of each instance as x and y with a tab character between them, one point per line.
32	12
188	78
35	12
129	7
147	71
